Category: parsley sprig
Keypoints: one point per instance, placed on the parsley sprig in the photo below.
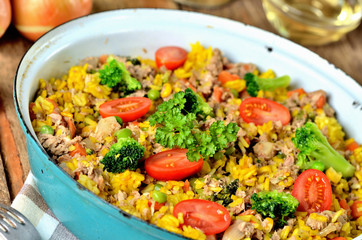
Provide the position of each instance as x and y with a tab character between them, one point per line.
178	125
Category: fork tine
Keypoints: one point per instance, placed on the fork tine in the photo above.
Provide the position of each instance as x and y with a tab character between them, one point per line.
15	213
7	221
9	232
12	221
21	225
5	225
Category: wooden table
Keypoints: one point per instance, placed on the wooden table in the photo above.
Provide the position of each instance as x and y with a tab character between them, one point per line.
14	167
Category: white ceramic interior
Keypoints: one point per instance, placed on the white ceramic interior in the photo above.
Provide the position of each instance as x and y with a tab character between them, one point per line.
137	32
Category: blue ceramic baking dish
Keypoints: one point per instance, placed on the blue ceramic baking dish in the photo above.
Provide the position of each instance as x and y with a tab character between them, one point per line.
139	32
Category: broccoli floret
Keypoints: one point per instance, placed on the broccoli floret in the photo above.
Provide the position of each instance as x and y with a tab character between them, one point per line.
254	83
276	205
224	196
115	75
123	155
314	147
195	104
89	151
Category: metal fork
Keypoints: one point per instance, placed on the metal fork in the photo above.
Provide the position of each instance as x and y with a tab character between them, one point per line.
14	225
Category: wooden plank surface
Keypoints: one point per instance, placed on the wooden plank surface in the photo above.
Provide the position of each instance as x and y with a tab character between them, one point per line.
10	155
12	48
4	191
345	54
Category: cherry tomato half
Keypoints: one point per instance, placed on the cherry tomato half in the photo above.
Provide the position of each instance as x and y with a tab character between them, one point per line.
261	110
171	165
171	57
129	109
313	191
356	209
210	217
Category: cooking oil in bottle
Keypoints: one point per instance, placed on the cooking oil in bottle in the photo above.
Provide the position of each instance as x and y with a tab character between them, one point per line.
203	3
313	22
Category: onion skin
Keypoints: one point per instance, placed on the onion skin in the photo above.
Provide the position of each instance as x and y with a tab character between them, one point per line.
5	16
33	18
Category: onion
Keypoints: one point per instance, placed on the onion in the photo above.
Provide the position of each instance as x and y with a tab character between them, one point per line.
33	18
264	150
106	127
5	16
233	232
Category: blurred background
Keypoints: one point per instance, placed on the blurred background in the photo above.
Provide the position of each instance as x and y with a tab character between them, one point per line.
345	54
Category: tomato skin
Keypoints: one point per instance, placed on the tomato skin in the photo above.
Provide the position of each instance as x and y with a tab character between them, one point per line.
261	110
321	101
339	238
356	209
352	146
210	217
188	84
78	149
217	93
344	204
103	58
171	57
71	126
55	105
171	165
186	186
248	212
158	206
300	91
225	77
129	109
315	186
